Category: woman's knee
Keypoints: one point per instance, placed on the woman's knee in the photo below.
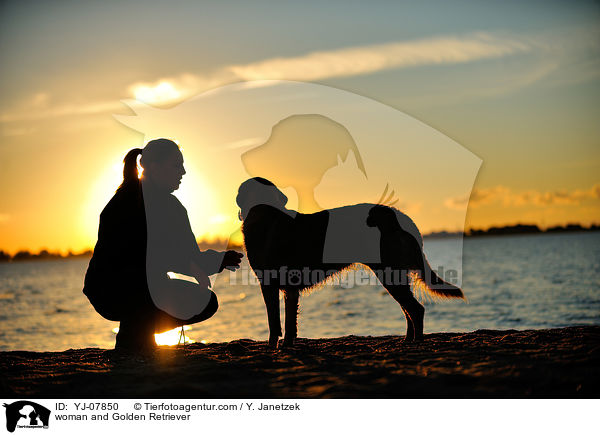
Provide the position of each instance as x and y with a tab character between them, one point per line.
212	307
208	311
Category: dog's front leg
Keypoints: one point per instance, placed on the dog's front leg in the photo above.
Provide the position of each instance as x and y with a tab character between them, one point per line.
271	297
291	317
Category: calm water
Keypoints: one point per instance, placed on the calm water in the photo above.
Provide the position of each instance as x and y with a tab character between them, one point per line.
518	282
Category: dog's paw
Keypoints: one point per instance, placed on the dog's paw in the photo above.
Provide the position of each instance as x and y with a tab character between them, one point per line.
287	343
412	339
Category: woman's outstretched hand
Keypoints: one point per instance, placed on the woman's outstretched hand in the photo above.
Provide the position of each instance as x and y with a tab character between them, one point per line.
231	261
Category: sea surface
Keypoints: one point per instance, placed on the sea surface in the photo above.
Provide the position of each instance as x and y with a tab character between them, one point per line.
511	282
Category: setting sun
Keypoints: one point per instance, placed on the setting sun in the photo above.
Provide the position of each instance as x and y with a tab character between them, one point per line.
172	337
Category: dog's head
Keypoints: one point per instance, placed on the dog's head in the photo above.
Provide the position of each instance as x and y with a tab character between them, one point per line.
257	191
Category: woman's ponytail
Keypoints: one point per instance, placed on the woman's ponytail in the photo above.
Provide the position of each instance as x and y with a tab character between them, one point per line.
130	171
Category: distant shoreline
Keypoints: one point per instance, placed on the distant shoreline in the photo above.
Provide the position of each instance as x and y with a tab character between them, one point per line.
44	254
510	230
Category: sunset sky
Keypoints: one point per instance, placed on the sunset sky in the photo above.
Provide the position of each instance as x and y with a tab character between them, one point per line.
515	83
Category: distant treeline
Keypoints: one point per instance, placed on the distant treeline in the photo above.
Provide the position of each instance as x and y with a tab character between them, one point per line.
515	229
42	255
23	255
221	244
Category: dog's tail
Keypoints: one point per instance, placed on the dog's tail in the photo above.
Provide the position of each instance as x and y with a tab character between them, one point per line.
436	286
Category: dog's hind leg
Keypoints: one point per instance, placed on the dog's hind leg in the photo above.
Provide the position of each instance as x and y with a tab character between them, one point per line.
271	297
291	317
413	310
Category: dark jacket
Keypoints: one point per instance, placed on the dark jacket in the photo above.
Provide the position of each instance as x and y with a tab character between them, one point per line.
116	282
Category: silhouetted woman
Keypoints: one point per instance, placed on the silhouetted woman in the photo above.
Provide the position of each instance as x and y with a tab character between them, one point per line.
144	233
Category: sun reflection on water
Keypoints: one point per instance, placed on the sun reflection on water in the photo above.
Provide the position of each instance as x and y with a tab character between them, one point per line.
172	337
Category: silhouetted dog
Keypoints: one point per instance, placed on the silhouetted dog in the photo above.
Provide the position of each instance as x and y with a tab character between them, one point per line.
292	251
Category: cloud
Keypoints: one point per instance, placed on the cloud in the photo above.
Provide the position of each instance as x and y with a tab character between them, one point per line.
40	99
18	131
560	197
560	52
169	90
478	197
161	92
560	58
373	58
549	54
504	195
33	112
343	62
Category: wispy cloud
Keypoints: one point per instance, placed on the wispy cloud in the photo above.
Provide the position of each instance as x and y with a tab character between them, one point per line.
553	53
165	91
31	112
503	195
561	58
169	90
18	131
373	58
350	61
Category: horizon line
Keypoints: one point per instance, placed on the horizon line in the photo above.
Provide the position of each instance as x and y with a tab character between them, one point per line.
211	242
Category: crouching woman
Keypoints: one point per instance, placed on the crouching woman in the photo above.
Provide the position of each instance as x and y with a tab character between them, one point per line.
145	233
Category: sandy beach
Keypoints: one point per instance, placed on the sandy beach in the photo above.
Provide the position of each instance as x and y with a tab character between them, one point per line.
550	363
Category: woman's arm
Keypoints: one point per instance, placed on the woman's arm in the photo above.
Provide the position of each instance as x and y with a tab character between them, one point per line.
209	261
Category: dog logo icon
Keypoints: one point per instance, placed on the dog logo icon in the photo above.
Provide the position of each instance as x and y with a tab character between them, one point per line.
26	414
